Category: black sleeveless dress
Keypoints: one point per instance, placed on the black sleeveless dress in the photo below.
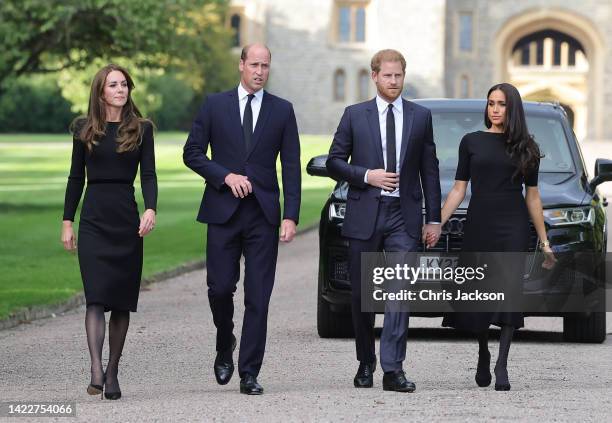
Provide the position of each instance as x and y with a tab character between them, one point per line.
497	217
109	247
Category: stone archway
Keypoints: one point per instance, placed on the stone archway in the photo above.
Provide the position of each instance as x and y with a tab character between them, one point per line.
584	99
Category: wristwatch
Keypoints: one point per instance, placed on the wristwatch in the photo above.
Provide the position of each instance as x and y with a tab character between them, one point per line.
544	244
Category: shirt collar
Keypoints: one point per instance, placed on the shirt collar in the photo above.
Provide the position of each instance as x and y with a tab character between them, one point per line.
242	93
382	104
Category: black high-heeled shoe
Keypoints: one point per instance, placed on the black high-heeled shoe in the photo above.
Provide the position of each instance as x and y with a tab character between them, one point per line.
483	373
111	395
501	375
93	389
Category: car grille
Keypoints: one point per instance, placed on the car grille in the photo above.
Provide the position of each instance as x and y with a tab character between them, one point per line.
451	239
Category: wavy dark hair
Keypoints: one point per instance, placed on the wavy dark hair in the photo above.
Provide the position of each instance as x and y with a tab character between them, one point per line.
520	144
89	129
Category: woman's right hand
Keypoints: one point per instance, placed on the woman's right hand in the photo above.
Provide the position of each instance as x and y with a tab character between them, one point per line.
68	238
549	258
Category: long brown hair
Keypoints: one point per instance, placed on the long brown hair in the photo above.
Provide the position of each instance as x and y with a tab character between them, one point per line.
520	144
89	129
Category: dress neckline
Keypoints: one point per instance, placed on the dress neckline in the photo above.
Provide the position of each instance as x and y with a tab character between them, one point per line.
493	133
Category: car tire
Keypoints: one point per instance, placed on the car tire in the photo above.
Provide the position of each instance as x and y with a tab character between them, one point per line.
580	328
329	323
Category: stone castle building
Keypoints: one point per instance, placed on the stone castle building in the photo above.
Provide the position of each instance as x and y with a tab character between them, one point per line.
552	50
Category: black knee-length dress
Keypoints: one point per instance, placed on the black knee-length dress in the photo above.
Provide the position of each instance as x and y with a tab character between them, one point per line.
497	217
109	247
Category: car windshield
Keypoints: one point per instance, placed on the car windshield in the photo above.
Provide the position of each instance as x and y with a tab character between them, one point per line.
450	127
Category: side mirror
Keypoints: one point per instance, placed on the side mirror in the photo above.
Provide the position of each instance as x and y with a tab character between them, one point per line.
316	166
603	172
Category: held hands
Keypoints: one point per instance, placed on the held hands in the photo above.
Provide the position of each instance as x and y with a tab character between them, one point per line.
68	238
549	258
147	222
431	234
240	185
288	229
380	178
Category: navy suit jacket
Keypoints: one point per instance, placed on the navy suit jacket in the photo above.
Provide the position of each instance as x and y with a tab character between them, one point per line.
358	138
218	126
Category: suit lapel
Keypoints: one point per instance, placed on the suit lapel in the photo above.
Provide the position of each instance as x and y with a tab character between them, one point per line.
374	123
264	113
235	126
408	113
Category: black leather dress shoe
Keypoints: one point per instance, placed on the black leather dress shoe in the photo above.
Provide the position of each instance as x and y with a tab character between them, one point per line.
396	381
365	375
224	364
249	385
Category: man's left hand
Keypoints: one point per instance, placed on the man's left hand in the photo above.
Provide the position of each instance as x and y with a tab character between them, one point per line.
288	229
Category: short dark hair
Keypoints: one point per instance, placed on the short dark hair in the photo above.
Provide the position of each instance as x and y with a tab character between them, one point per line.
245	51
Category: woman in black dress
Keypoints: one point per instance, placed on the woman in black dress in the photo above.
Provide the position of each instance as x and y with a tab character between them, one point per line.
109	144
498	162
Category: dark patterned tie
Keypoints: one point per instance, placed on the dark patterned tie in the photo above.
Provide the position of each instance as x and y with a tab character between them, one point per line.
247	122
391	160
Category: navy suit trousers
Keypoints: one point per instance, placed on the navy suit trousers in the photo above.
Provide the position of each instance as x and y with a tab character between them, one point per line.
247	233
390	235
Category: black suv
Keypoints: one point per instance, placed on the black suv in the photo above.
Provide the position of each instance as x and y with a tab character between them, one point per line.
574	210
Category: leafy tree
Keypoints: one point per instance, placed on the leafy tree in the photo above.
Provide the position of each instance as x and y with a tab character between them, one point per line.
186	36
34	105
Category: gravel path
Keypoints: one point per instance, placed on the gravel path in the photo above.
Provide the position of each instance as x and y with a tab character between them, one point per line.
166	372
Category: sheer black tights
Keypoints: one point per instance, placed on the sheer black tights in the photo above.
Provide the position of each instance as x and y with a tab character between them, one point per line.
95	325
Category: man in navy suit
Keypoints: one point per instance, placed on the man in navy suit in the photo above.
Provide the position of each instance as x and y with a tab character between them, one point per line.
246	129
393	162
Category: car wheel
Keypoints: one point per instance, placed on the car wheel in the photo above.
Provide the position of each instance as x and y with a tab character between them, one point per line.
329	323
578	328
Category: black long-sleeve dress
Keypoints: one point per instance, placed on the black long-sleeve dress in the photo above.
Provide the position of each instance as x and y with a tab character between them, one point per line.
109	247
497	218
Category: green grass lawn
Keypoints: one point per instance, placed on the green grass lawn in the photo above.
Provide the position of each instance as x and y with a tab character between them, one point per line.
34	268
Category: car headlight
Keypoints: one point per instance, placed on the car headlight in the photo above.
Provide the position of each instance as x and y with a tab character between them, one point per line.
569	216
337	210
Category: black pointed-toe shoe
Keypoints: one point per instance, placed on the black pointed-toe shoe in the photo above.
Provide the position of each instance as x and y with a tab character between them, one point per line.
249	385
111	395
396	381
94	389
224	364
365	375
501	379
483	372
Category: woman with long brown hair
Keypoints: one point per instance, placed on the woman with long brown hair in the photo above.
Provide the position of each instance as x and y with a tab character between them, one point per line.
498	162
109	145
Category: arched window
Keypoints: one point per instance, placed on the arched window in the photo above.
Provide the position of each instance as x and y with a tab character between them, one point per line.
235	25
363	85
339	85
548	48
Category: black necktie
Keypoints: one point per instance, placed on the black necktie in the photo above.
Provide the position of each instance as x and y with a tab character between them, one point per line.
391	160
247	122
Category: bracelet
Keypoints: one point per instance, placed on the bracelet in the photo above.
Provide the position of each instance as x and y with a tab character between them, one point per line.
545	243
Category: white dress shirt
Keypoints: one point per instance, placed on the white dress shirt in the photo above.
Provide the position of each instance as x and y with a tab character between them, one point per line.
243	97
398	115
